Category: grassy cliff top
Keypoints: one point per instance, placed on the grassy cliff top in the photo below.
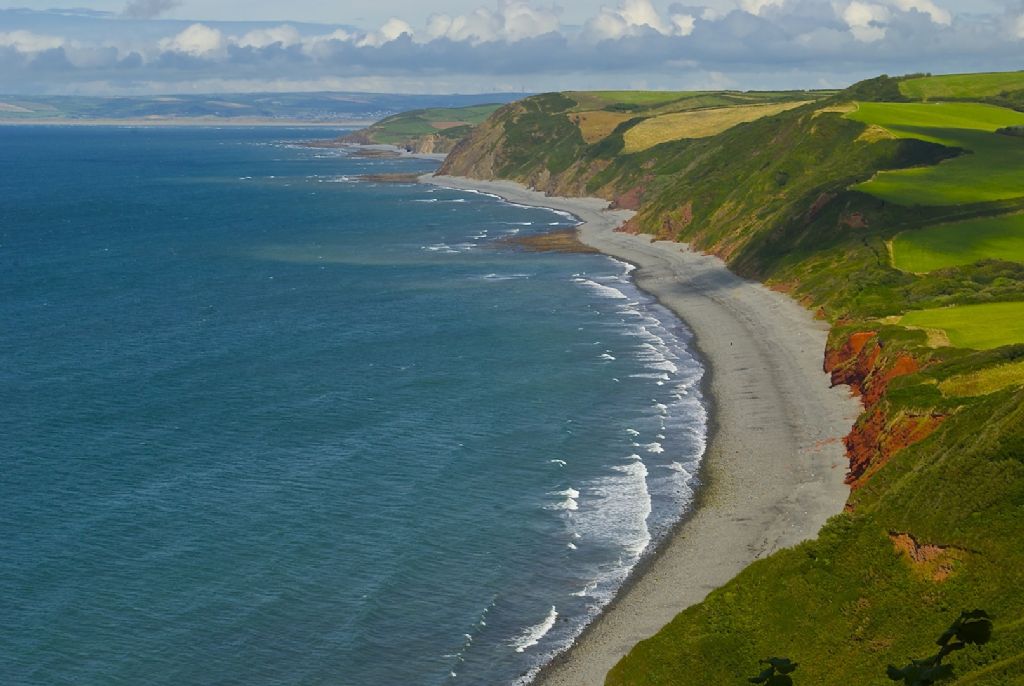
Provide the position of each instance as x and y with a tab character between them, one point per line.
442	123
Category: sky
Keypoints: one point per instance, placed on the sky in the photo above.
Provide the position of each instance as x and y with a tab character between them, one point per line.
121	47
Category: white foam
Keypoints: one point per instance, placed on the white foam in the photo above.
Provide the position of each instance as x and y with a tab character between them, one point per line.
534	634
440	247
504	277
560	463
654	448
601	289
609	358
568	493
677	467
664	365
585	591
567	505
632	432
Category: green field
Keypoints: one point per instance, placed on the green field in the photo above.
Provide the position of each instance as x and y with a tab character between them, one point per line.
967	242
642	98
990	171
400	128
962	85
980	327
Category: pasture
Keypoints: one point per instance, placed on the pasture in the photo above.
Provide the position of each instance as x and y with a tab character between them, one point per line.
989	325
989	170
964	86
966	242
697	124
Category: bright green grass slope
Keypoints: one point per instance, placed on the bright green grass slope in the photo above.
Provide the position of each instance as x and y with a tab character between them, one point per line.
990	171
847	604
980	327
947	245
962	86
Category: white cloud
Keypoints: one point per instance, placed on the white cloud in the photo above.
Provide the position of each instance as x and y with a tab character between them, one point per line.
286	35
642	13
512	21
866	21
197	40
391	30
28	42
633	17
755	6
683	24
1020	27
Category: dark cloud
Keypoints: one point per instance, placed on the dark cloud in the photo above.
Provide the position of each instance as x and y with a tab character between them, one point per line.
149	9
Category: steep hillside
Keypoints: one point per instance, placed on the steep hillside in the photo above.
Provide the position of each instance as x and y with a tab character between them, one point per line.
821	201
428	131
557	142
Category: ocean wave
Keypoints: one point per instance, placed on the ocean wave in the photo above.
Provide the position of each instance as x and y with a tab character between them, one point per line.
601	289
532	636
504	277
440	247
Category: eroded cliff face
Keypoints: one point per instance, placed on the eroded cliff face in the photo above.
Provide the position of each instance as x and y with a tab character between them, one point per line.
861	361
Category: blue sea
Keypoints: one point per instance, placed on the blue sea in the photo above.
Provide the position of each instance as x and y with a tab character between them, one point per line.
264	423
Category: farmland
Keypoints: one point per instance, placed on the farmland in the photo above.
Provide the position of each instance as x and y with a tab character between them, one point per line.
980	327
697	123
962	86
948	245
988	170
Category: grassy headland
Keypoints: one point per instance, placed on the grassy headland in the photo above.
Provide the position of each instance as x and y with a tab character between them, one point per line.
434	130
809	200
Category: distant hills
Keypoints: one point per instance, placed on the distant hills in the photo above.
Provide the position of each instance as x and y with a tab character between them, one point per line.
343	109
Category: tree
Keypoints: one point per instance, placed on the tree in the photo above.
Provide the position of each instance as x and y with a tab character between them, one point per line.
777	673
970	628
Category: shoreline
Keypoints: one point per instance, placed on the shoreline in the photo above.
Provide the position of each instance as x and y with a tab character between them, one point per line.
195	122
773	471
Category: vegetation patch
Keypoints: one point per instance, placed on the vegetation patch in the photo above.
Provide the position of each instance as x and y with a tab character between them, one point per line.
625	100
962	86
985	381
990	169
697	124
980	327
966	242
443	127
597	125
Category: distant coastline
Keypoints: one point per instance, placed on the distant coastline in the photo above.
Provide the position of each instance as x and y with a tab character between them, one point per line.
210	122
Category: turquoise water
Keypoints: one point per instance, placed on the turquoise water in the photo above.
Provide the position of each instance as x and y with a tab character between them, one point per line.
266	424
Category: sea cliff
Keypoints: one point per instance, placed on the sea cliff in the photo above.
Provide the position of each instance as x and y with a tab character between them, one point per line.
936	459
